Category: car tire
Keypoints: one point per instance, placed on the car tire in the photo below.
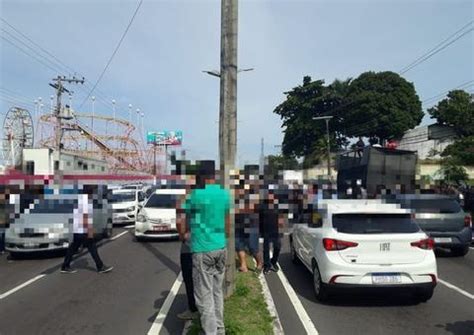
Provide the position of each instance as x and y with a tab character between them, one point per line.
108	232
294	255
320	289
137	239
423	295
460	251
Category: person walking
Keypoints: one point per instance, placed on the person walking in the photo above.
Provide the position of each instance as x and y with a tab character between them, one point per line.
272	223
83	235
208	208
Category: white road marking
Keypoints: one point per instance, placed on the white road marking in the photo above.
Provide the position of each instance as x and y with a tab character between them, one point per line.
451	286
187	326
130	226
471	248
160	318
277	327
19	287
300	311
119	235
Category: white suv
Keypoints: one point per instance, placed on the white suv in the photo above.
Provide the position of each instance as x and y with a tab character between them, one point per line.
125	205
365	244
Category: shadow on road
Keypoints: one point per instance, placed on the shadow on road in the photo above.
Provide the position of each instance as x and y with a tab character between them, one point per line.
301	280
459	327
37	255
176	268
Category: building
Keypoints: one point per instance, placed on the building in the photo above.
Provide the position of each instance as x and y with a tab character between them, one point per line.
428	141
45	161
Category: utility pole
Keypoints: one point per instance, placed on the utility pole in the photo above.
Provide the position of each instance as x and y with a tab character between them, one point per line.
228	118
327	118
262	156
60	89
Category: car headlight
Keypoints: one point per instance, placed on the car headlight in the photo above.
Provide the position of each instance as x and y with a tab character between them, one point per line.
141	218
129	209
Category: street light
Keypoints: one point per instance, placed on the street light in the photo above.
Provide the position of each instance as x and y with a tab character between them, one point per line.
216	73
327	118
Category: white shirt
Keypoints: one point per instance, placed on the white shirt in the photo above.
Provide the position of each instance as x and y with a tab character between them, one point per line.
83	207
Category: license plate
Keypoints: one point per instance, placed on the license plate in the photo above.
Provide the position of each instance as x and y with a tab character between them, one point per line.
386	278
164	227
443	239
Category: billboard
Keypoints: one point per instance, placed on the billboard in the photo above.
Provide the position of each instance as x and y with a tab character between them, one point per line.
165	137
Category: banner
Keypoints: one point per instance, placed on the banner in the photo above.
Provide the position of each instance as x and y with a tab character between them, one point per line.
165	137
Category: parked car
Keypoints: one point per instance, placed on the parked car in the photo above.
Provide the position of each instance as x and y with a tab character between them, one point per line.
47	225
365	244
125	204
157	218
442	218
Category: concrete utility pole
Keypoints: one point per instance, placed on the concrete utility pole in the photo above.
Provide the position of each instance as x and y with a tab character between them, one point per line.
327	118
60	89
262	156
228	118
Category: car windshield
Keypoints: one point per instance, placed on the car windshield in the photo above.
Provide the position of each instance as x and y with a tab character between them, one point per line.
442	206
56	206
122	197
355	223
162	201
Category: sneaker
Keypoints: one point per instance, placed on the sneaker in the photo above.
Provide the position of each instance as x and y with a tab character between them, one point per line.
275	267
105	269
188	315
266	270
68	270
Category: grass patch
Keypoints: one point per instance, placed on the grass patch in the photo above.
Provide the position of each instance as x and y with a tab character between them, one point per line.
245	312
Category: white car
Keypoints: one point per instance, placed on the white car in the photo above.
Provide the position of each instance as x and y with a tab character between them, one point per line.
125	205
365	244
157	218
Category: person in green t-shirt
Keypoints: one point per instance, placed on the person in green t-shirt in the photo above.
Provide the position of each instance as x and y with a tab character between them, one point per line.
207	210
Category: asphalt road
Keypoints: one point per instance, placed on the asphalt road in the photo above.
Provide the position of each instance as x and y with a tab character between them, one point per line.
127	300
124	301
395	312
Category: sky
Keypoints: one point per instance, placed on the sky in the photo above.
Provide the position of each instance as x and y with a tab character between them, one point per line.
159	65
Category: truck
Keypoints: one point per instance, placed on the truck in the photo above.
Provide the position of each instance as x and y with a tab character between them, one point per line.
374	169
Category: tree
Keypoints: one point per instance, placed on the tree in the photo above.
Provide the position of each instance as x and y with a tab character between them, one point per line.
452	172
381	105
462	151
457	111
302	134
279	163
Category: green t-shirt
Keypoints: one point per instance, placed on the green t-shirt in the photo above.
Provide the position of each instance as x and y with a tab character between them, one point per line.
207	209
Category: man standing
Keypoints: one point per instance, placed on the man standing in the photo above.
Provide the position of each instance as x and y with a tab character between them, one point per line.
272	223
208	209
83	235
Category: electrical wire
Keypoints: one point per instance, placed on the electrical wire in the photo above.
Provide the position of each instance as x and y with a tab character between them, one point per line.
113	54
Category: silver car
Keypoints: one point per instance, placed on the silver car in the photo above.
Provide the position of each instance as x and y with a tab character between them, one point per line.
47	225
442	218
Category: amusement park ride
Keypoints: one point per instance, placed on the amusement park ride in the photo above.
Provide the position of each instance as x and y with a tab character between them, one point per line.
110	139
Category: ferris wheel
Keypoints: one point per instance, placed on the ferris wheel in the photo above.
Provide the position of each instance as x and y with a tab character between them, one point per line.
17	135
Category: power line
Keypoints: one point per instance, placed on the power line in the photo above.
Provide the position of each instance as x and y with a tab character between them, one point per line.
113	53
464	85
57	66
439	47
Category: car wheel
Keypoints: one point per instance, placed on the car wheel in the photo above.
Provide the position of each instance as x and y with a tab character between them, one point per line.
460	251
294	256
320	289
423	295
108	232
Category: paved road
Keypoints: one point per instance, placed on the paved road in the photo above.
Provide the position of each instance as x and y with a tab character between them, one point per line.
127	300
124	301
448	312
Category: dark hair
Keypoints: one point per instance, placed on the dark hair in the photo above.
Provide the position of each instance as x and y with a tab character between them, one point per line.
205	171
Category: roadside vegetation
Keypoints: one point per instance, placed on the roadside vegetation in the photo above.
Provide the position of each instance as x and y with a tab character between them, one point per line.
245	312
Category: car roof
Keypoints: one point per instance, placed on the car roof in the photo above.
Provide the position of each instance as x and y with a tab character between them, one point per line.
171	191
366	206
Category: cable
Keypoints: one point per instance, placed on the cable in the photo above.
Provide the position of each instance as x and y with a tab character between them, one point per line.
437	46
464	85
431	54
113	53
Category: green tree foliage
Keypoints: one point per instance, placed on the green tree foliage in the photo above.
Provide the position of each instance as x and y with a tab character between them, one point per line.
461	150
302	134
381	105
457	111
279	162
452	172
